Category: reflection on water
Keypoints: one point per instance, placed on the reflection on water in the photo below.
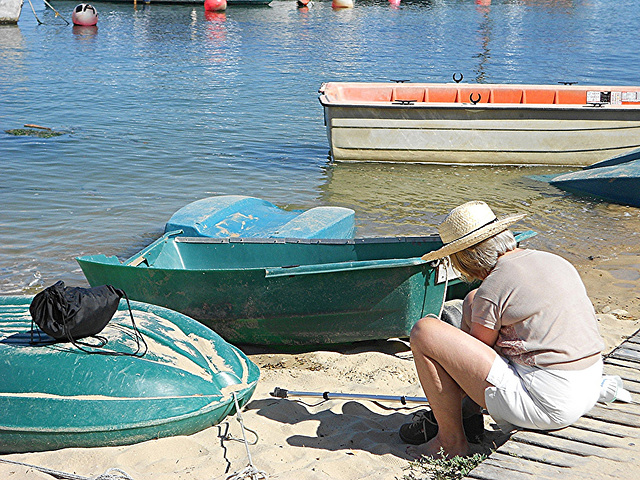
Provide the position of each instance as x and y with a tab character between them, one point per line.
413	199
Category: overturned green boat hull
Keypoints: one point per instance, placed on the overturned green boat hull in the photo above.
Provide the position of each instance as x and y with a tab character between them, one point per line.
54	395
284	291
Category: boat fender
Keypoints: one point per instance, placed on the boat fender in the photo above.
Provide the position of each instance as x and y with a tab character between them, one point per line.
342	3
85	15
215	5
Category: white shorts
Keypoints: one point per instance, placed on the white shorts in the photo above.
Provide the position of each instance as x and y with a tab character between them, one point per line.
540	398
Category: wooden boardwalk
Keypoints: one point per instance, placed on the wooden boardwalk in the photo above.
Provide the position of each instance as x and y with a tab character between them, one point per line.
602	445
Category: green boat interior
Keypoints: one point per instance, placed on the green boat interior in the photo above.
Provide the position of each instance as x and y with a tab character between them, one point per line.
282	256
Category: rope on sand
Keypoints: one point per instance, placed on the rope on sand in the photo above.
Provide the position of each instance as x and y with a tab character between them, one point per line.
110	474
250	472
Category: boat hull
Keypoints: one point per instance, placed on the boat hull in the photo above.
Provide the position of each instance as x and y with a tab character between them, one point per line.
57	396
285	292
241	216
617	183
10	11
460	132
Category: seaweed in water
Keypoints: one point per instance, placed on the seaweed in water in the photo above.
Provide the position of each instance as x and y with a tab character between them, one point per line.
34	133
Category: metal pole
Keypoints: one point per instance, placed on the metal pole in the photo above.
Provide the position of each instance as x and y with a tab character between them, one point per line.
57	14
34	13
284	393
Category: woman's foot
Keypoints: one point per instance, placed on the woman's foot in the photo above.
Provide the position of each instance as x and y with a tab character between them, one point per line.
435	448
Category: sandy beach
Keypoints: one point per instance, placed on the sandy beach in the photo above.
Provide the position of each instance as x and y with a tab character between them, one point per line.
335	439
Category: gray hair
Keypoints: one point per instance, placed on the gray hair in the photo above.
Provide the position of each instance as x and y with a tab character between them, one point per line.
476	262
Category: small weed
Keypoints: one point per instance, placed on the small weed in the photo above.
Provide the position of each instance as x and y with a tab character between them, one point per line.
444	468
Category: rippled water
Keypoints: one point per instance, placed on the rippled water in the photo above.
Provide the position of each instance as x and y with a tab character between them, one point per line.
164	104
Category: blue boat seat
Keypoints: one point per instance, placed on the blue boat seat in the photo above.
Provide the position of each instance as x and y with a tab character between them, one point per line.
242	216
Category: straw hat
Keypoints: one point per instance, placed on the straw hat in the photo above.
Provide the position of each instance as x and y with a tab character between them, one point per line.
467	225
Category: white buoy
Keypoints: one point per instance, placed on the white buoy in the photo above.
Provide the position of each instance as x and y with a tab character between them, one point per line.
342	4
85	15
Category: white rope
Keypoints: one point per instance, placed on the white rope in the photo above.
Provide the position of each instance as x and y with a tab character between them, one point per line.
446	263
250	472
110	474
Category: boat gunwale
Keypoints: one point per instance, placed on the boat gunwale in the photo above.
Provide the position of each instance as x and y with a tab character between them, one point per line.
209	407
326	101
478	106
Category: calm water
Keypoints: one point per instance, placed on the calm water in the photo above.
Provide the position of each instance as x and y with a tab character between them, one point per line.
163	105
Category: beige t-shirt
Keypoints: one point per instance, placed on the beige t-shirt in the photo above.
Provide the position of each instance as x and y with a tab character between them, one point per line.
540	306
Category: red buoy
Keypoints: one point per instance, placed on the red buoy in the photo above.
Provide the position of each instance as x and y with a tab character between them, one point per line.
85	15
215	5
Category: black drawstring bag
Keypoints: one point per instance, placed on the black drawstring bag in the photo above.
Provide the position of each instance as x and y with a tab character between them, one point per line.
73	313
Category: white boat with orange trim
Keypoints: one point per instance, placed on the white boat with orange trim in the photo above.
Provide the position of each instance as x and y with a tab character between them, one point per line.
483	124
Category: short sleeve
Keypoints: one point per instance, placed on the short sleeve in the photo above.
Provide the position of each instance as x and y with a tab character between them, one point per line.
485	313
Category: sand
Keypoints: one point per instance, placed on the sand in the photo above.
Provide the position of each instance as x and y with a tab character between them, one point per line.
335	439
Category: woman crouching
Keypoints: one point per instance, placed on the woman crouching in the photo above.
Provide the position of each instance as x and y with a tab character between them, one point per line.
528	350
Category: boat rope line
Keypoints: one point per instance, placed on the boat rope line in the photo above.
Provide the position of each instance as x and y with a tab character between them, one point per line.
250	472
446	263
110	474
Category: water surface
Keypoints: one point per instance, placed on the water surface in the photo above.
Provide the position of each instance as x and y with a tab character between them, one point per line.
162	105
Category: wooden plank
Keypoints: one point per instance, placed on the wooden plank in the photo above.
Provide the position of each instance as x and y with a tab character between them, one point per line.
619	362
599	439
523	465
539	454
487	471
626	354
616	417
622	407
543	440
630	346
612	429
624	369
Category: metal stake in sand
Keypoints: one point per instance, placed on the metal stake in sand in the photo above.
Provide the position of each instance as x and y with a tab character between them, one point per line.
284	393
250	472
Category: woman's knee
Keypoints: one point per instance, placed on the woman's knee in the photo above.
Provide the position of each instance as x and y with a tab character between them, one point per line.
423	331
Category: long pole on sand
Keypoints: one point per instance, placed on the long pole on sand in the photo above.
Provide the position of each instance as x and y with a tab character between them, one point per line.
284	393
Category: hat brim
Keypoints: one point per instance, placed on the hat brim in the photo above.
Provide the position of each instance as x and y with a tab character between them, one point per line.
474	238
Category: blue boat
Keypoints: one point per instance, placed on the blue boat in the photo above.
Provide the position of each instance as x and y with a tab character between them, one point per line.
54	395
241	216
616	183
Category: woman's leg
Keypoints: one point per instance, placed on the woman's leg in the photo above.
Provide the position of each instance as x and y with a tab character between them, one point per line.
450	363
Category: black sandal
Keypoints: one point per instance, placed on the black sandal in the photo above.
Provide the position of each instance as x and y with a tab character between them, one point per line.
423	427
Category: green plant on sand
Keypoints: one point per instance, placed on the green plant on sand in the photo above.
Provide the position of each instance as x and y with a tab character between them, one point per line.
443	468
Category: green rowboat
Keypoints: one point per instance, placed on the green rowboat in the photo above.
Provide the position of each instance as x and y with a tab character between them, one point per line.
285	291
54	395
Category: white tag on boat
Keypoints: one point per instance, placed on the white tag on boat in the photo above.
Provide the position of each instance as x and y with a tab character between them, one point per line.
632	97
597	97
443	274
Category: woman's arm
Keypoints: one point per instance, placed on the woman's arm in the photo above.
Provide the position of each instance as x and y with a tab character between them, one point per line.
484	334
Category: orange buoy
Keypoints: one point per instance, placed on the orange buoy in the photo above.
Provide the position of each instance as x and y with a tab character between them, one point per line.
215	5
84	15
395	3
